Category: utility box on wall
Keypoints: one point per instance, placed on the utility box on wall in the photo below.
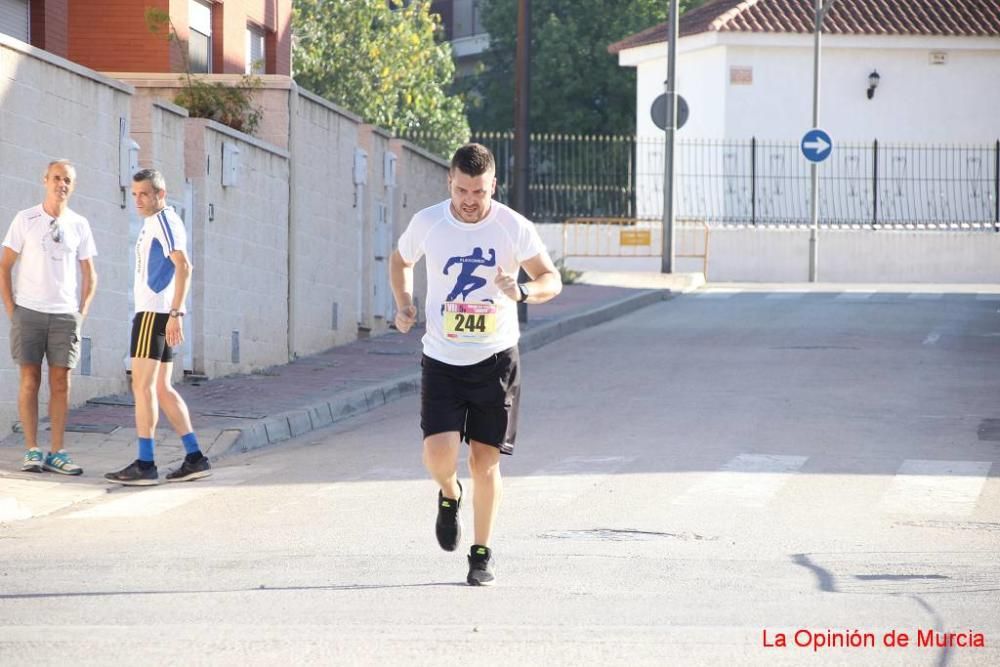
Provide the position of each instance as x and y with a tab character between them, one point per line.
230	164
360	166
389	170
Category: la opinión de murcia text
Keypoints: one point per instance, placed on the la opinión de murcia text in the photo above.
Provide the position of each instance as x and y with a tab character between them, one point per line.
818	640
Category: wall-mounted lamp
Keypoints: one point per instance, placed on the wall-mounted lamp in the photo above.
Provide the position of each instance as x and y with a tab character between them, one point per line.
872	83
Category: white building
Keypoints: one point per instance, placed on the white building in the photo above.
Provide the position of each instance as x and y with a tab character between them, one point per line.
920	72
745	69
463	29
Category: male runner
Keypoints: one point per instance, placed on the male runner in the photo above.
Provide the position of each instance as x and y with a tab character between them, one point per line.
471	379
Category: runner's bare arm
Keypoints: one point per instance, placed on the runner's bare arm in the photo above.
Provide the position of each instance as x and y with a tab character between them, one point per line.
401	281
545	283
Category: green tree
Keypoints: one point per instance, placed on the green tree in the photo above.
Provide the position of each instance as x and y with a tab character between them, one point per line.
381	60
577	87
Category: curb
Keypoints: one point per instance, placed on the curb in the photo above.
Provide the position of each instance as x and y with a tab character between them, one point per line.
343	405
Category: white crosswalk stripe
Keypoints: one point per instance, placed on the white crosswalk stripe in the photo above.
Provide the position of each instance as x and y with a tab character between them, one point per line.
784	296
22	499
947	488
562	483
854	295
151	501
749	480
717	293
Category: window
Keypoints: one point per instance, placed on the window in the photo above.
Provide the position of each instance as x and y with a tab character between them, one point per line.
200	42
14	19
255	50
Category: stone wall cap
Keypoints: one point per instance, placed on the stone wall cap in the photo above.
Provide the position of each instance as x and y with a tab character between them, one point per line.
332	106
241	136
13	44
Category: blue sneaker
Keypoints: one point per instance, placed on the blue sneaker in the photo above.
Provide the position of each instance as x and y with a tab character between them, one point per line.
32	460
61	463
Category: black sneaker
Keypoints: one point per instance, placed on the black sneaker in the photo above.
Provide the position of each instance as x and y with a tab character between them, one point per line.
448	528
480	566
134	475
191	470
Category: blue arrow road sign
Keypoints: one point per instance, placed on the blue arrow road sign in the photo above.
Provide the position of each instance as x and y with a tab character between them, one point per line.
816	145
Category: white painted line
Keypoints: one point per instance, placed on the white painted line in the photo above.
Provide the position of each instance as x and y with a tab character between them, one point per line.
932	338
925	296
142	503
12	510
949	488
150	501
749	480
567	480
851	295
717	293
23	499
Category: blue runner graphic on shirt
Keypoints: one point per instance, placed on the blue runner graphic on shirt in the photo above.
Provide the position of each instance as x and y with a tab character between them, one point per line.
467	282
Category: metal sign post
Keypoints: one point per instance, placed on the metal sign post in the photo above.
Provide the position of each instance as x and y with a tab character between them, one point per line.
822	7
521	129
667	261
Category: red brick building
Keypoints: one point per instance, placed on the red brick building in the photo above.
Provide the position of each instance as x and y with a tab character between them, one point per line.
223	36
41	23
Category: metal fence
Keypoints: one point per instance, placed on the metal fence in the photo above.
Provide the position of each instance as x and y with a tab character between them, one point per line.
755	182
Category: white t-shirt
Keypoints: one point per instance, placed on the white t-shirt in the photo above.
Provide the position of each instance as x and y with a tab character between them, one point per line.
468	317
49	250
153	287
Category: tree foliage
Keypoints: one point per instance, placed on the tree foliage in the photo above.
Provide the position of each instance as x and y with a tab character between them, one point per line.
382	61
577	87
230	105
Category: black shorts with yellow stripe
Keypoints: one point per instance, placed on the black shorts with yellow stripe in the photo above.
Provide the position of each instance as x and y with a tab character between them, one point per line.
149	337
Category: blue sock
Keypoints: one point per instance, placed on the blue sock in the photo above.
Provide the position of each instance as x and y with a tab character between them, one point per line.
146	449
190	443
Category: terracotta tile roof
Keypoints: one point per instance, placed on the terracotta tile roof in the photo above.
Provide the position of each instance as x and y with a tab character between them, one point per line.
956	18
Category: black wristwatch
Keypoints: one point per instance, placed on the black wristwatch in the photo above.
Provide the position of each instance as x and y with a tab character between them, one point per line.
176	313
523	289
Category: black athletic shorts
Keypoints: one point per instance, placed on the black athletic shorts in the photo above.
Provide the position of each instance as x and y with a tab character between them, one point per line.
479	401
149	337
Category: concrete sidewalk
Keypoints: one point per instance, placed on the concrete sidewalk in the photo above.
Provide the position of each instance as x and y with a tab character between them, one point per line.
240	413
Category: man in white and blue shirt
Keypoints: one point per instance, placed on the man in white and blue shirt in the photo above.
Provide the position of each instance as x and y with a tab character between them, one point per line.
160	287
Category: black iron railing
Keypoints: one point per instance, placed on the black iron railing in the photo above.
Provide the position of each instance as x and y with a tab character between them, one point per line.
751	182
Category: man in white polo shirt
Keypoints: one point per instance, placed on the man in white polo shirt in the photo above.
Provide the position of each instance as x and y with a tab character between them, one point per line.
471	380
46	307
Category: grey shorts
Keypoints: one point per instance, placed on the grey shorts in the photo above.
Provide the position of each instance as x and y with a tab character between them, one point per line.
35	335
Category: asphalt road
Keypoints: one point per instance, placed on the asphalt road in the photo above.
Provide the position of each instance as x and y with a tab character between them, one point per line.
692	483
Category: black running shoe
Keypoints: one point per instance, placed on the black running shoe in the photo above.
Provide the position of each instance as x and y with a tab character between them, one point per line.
134	475
191	470
480	566
448	528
